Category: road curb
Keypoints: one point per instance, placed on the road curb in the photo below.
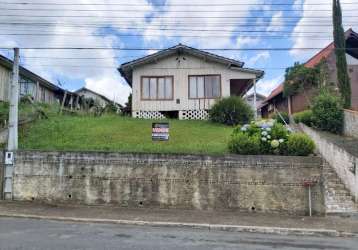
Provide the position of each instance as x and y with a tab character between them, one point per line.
218	227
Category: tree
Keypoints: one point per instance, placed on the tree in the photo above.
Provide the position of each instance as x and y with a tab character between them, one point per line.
127	109
340	51
300	78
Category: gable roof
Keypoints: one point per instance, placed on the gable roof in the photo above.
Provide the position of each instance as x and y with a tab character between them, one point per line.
7	63
95	93
258	95
351	42
126	69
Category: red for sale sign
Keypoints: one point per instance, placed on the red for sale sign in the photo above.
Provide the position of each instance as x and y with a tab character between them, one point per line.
160	131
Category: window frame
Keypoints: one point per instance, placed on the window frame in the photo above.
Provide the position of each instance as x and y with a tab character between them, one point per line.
157	90
200	98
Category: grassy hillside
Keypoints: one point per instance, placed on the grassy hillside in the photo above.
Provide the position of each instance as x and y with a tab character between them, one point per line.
114	133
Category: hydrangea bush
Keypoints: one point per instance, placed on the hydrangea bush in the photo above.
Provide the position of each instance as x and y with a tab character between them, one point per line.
267	137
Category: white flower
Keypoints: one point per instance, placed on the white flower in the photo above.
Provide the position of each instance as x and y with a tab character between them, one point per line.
263	139
281	140
275	143
268	136
268	129
243	129
264	133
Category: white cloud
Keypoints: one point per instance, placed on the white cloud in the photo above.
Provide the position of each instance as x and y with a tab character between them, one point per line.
105	86
324	29
189	17
242	41
276	22
101	73
263	56
265	86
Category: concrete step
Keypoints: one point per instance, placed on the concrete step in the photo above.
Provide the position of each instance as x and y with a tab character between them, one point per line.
338	199
336	186
338	193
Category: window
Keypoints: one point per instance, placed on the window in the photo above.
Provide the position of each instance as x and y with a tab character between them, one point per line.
157	88
26	87
208	86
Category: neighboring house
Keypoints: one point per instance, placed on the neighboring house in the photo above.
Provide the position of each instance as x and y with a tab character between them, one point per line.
259	99
100	99
183	82
301	101
275	101
31	84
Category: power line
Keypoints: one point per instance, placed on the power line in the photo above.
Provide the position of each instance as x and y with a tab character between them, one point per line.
149	49
116	67
169	17
172	36
169	11
322	23
281	32
164	5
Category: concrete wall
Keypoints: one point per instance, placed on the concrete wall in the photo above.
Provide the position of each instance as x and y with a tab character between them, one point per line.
344	163
260	183
190	66
351	123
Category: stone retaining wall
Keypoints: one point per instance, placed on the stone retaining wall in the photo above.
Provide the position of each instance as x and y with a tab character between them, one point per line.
344	163
351	123
247	183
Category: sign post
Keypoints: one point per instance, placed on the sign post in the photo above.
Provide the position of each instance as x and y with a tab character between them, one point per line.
160	131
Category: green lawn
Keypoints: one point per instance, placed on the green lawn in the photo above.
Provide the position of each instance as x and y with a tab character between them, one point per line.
114	133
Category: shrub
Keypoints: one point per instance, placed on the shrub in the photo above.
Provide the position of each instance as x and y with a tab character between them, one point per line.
306	117
244	144
285	117
271	136
327	113
231	111
300	145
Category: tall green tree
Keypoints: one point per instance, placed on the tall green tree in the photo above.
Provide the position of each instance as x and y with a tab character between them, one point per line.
340	50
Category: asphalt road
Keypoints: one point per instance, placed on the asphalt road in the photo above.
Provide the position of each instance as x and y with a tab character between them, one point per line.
39	234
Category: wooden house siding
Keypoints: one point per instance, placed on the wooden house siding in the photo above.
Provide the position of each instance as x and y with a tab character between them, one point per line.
181	69
5	77
45	94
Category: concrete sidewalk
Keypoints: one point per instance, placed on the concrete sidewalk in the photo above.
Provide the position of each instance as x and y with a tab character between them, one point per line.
211	220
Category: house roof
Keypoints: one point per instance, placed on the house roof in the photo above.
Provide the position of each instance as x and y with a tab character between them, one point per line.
351	42
93	92
126	69
258	95
7	63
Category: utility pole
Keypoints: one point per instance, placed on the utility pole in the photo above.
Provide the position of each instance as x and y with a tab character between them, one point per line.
12	144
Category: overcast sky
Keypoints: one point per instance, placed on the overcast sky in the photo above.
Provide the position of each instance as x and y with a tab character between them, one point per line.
158	24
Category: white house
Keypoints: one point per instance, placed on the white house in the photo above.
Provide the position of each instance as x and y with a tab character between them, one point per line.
87	93
184	82
254	104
